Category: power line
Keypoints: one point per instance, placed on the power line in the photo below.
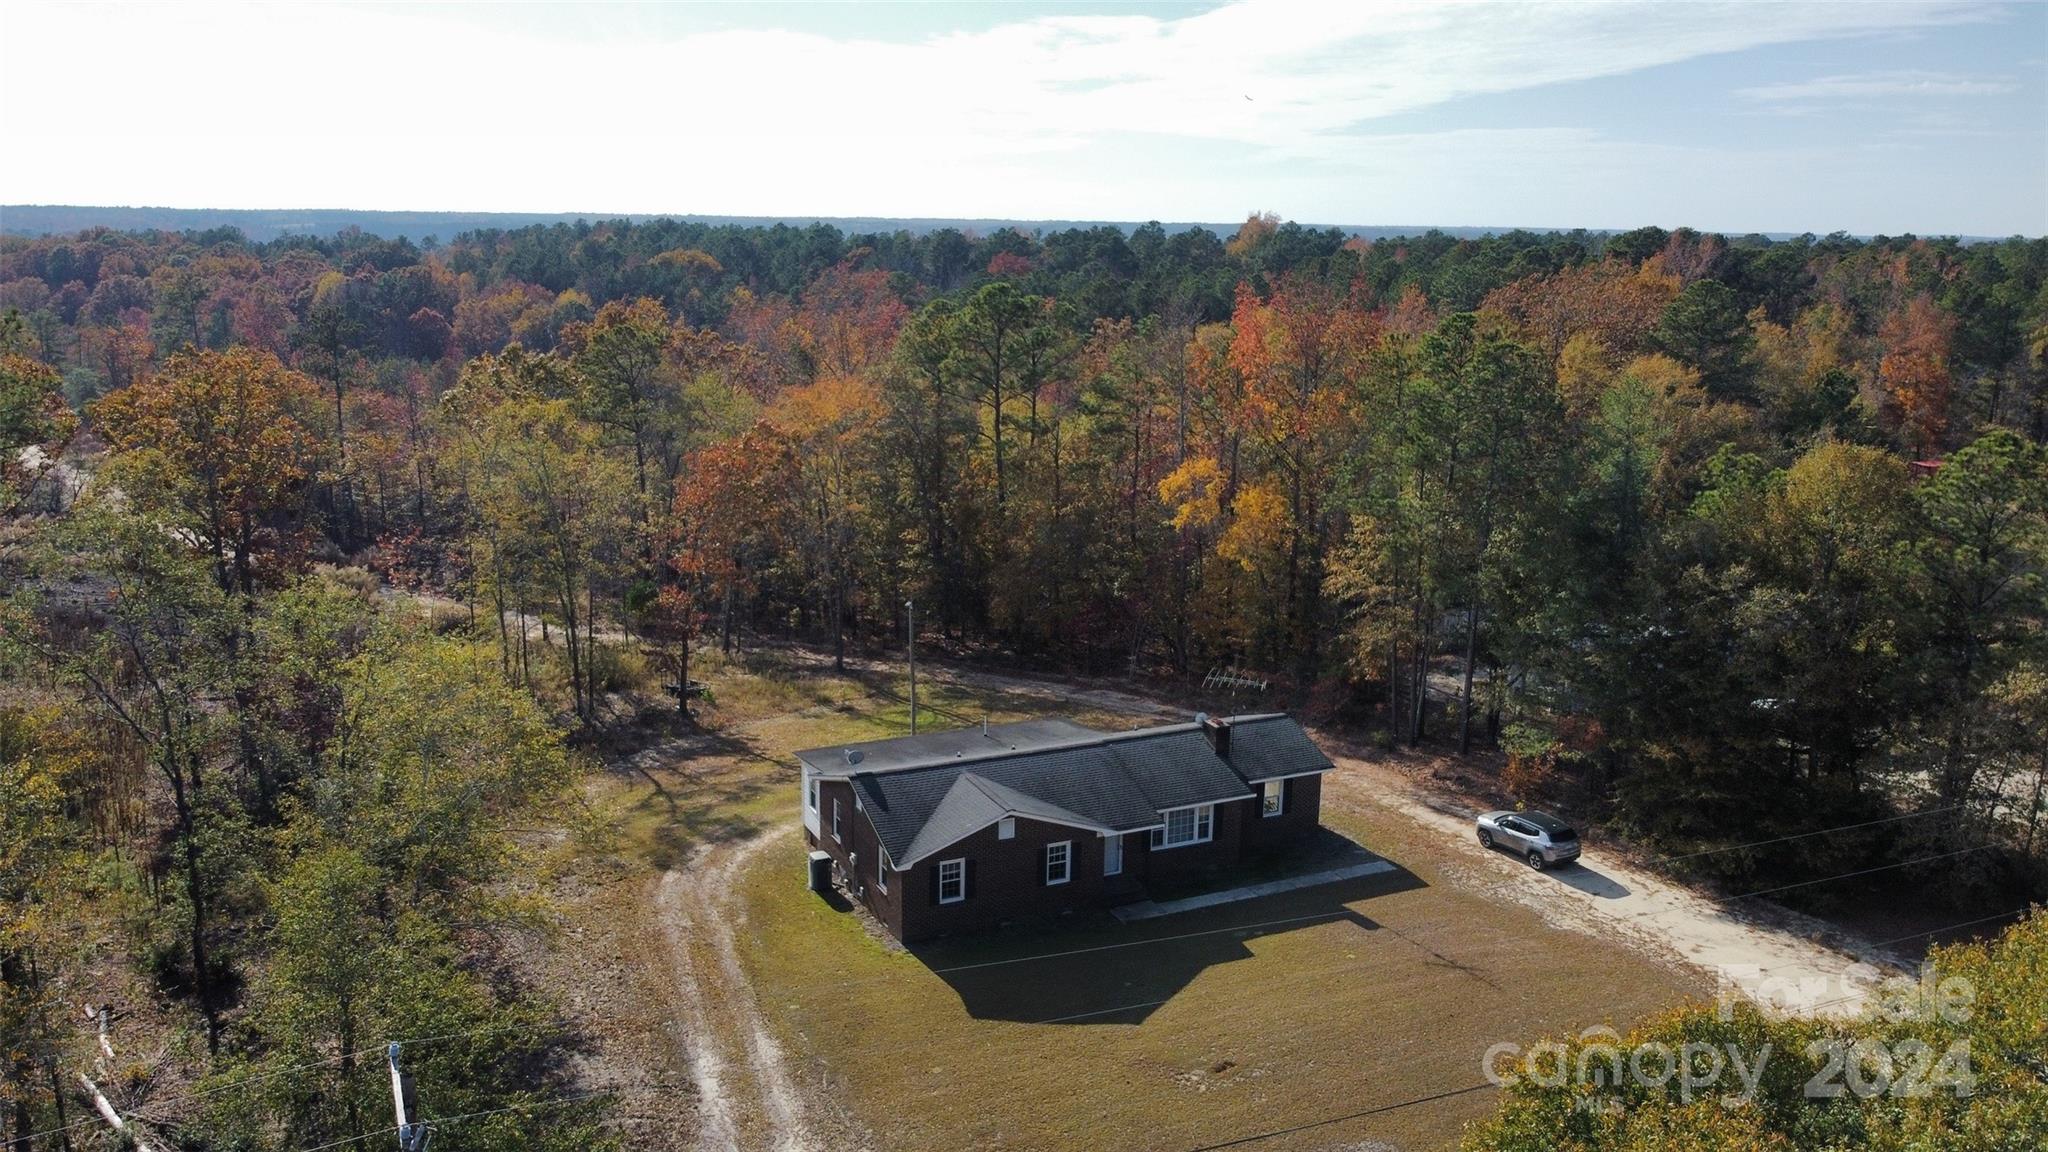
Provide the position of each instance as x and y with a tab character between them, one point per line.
202	1093
1131	944
1863	872
1804	835
271	1074
1259	1136
350	1139
1333	916
1952	927
1915	936
436	1121
1262	1136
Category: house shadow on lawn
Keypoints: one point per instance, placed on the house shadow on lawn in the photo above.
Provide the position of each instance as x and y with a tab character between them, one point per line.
1093	970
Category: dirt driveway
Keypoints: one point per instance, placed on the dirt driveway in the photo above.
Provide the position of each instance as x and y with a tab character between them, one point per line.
1604	896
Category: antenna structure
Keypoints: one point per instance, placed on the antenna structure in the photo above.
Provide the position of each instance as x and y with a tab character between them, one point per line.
1234	680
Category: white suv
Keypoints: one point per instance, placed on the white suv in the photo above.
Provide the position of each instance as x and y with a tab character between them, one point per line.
1538	837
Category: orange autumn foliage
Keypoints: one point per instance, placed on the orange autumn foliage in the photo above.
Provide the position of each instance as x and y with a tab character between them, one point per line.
220	436
1618	305
1914	372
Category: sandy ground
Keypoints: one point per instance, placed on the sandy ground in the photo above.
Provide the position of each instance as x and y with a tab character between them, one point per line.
735	1062
1603	896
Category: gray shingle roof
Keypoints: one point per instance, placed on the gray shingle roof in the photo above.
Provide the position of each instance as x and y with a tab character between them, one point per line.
1263	747
931	747
1112	782
974	802
924	792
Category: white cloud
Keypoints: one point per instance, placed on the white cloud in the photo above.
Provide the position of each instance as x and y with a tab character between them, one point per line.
1876	85
1252	104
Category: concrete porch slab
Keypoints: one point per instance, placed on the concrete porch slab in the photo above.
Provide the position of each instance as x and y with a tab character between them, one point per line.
1148	909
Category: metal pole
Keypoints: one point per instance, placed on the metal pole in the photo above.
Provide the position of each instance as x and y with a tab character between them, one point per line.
412	1135
910	630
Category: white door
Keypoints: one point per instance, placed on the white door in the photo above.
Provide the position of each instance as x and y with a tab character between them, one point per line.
1112	855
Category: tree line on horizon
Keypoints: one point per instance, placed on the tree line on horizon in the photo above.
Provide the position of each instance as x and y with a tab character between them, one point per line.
1714	539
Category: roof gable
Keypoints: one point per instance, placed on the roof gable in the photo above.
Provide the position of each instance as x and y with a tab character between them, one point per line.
1113	782
973	803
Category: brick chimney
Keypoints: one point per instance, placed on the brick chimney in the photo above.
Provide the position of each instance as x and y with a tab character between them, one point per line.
1217	729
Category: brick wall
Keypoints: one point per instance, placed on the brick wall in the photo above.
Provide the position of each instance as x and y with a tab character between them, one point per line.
856	850
1224	848
1008	875
1008	881
1301	813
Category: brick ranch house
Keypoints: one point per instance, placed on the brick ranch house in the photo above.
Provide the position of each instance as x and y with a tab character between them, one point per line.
960	831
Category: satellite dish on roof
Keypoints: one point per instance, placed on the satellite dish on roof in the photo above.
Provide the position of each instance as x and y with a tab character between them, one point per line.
854	755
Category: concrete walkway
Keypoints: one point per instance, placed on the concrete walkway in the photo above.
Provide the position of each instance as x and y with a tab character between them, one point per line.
1148	909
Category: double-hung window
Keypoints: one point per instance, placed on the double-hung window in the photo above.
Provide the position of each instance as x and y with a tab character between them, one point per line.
952	881
1273	798
1059	862
881	870
1185	826
811	795
835	819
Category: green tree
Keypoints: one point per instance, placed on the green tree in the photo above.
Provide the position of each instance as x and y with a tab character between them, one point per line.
550	514
929	426
328	950
216	441
160	665
619	356
38	757
1705	328
1502	411
430	756
32	413
1982	557
1992	999
1001	343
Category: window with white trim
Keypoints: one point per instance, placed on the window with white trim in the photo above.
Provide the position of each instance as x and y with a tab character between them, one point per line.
1185	826
1112	854
952	881
835	819
881	870
1273	798
1006	829
1059	862
811	795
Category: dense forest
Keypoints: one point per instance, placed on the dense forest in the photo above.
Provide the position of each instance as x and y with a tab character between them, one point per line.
1710	539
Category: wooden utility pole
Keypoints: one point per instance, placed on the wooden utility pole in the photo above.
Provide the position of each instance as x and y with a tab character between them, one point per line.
910	631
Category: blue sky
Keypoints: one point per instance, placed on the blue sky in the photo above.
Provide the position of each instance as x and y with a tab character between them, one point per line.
1928	116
